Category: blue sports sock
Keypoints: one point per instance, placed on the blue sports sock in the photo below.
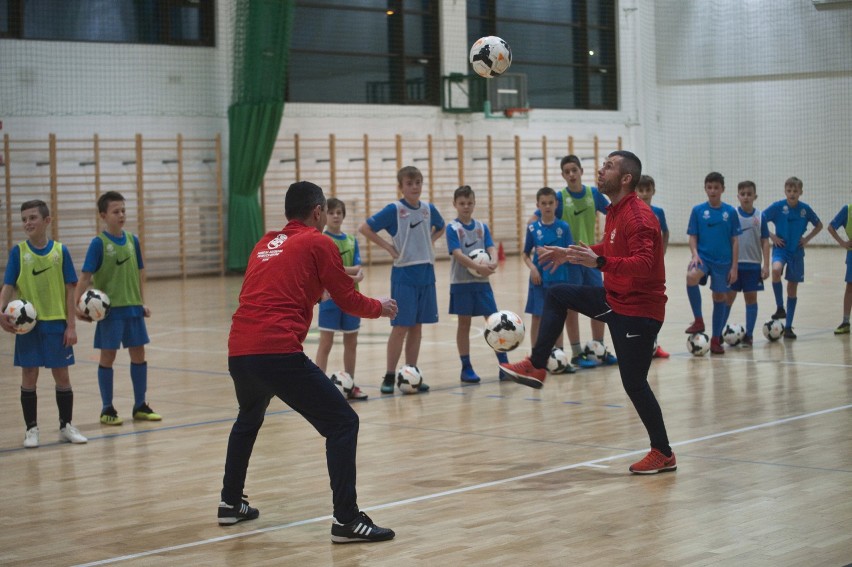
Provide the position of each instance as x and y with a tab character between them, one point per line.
719	309
778	290
502	357
727	314
751	318
465	360
105	385
139	377
791	310
694	295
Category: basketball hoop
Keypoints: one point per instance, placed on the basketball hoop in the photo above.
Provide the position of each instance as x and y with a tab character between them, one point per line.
521	112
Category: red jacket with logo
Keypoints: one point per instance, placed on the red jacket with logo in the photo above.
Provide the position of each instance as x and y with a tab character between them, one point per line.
634	273
287	272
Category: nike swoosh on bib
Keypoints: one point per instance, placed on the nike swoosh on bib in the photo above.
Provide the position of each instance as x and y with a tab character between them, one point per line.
120	262
37	272
415	224
576	212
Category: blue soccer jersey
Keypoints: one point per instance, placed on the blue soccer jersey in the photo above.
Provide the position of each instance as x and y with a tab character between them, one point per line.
556	234
843	221
714	227
661	216
790	223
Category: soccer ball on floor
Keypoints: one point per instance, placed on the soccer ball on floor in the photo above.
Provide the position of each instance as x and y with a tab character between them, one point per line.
481	257
595	351
773	329
698	344
343	381
24	314
733	334
94	304
490	56
504	331
558	361
408	378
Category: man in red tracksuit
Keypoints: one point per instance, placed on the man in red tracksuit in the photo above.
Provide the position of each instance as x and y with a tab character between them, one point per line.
286	275
632	301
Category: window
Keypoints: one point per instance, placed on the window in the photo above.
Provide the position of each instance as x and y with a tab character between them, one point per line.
368	51
567	48
170	22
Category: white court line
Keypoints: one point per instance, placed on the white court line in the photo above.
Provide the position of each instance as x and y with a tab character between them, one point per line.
592	463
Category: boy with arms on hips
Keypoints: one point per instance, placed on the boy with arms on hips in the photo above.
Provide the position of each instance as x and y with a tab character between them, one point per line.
546	230
114	265
414	226
714	228
645	190
331	317
41	271
753	265
844	220
790	217
470	295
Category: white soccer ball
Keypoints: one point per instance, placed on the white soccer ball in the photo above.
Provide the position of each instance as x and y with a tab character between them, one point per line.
595	350
343	381
408	378
698	344
733	334
773	329
490	56
558	361
24	314
481	257
504	331
94	304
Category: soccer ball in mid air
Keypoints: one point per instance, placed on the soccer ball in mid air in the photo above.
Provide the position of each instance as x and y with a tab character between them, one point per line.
94	304
408	378
504	331
698	344
490	56
23	314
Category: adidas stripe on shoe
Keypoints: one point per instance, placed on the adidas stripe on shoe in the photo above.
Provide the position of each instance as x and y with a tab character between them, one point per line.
360	529
230	515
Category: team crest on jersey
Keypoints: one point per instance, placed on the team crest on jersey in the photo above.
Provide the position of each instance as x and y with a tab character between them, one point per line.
559	232
276	242
706	214
110	249
802	213
725	216
612	236
785	210
403	213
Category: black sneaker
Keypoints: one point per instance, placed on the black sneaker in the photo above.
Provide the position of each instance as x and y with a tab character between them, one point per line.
230	515
361	528
788	333
780	314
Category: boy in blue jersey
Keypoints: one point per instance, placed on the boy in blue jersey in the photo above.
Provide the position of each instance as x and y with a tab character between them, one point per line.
844	220
790	217
753	265
645	190
43	274
331	318
470	295
413	225
114	265
545	231
714	228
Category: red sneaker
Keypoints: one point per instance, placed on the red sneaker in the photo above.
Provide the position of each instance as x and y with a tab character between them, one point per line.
716	346
357	394
525	373
696	327
660	353
654	462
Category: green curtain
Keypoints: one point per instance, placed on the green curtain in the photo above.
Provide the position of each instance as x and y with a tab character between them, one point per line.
261	46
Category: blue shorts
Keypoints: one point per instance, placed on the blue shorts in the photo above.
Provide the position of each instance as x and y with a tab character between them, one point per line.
849	267
112	333
718	275
42	347
583	275
472	299
417	304
748	278
795	264
331	318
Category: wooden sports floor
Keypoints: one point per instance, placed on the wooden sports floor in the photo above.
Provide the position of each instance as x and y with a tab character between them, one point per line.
491	474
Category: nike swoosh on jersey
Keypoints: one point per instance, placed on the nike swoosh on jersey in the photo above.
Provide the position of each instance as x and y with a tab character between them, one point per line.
120	262
415	224
629	336
712	223
37	272
576	212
